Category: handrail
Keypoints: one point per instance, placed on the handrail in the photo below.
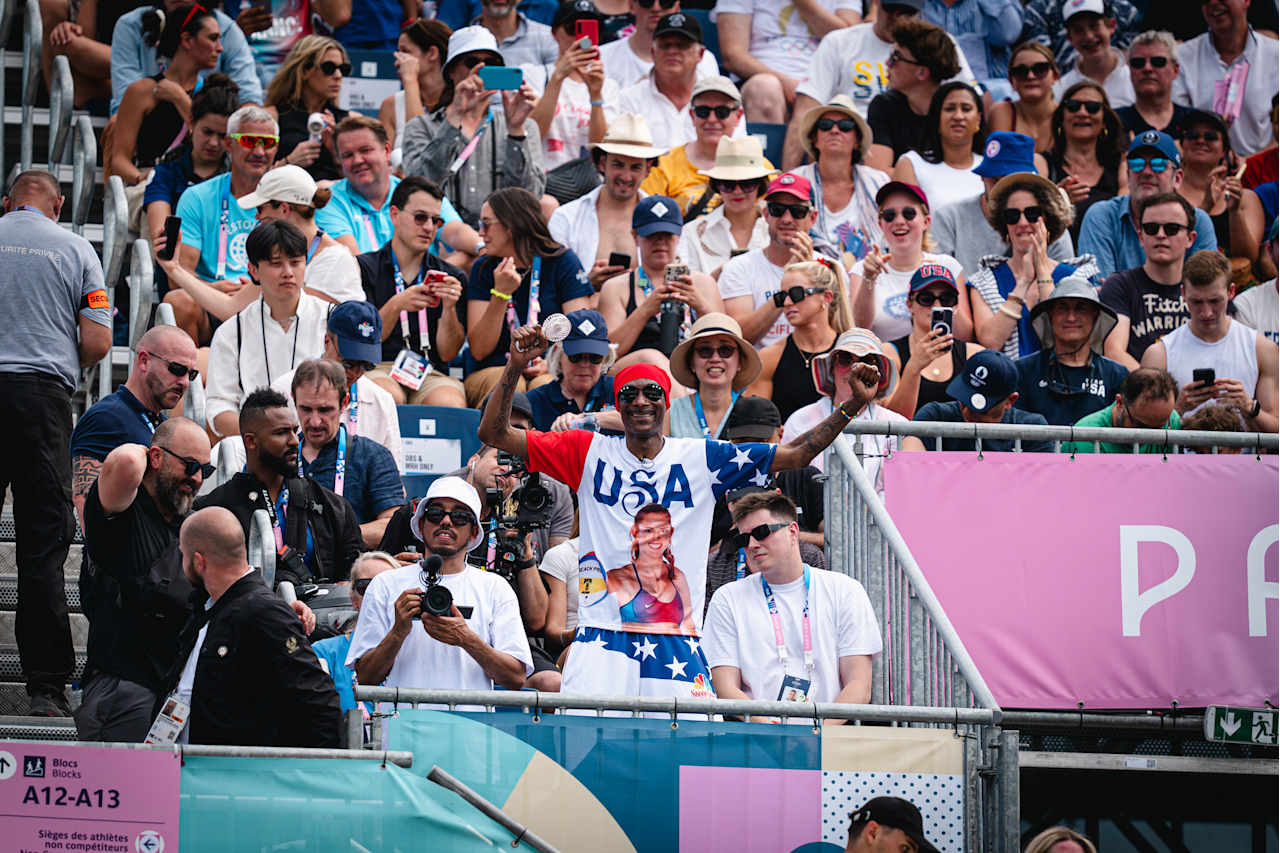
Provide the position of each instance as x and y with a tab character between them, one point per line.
1031	432
6	21
671	705
32	49
6	24
262	547
84	156
115	229
522	833
193	402
142	291
400	758
61	100
918	584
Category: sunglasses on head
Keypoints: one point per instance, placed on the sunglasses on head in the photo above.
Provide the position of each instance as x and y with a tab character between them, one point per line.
1157	164
178	370
458	517
251	141
749	185
593	357
327	68
1074	105
759	533
361	584
1137	63
846	125
891	213
648	4
797	211
652	392
420	218
1034	69
926	298
1198	135
1012	215
722	112
191	466
723	350
795	293
1171	229
352	364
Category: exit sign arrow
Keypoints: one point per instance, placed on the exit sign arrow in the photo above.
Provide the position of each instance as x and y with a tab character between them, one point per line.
1240	725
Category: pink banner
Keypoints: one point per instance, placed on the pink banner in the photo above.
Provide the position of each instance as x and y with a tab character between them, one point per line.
55	797
1103	581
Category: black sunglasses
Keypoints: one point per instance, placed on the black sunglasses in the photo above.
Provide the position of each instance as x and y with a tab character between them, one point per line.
178	370
844	124
361	585
1072	105
1035	69
795	293
722	112
652	391
1137	63
191	466
420	218
352	364
749	185
593	357
1197	135
648	4
472	60
842	358
759	533
459	517
723	350
891	213
327	68
896	57
797	211
926	298
1011	215
1171	229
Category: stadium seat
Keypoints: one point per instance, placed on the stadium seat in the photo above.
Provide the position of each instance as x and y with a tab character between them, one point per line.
710	35
771	137
436	440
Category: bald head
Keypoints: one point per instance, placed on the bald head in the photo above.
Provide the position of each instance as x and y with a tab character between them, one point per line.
162	368
36	188
165	340
182	436
212	543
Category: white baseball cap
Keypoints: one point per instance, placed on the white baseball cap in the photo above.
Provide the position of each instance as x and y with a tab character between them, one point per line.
1075	7
450	487
288	183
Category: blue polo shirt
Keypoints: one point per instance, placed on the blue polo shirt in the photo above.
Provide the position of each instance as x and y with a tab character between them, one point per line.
372	481
1108	234
201	209
112	421
549	402
348	212
950	413
1065	394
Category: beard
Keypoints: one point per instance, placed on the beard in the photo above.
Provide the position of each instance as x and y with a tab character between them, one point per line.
170	497
282	465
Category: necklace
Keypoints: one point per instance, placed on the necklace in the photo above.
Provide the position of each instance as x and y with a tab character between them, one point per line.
807	358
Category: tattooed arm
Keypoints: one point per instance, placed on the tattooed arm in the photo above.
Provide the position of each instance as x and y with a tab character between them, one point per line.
801	451
84	471
495	425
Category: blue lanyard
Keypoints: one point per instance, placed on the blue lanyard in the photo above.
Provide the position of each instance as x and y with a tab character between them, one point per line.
805	630
315	242
423	338
742	563
353	410
702	418
146	421
340	467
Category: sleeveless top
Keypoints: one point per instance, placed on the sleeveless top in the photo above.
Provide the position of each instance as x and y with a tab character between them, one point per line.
159	131
793	379
944	184
1233	357
650	336
930	390
646	607
684	420
293	132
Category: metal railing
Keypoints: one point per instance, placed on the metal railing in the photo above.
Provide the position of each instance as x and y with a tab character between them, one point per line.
61	100
142	291
115	229
32	50
1018	433
84	157
262	547
6	26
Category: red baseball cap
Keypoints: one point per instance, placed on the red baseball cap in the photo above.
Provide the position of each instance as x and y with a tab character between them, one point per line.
791	184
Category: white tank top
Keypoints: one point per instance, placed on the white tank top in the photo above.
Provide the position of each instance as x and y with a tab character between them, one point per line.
943	184
1233	357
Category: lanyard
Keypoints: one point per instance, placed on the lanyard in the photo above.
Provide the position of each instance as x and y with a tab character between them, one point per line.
702	418
531	315
646	287
470	147
492	551
262	322
278	513
368	230
742	564
315	242
353	410
147	422
777	624
340	467
28	207
422	312
224	230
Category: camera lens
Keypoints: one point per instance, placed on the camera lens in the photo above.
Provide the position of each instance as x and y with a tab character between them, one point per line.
438	601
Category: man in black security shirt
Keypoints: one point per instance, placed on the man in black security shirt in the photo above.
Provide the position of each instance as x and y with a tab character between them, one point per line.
319	526
133	588
244	663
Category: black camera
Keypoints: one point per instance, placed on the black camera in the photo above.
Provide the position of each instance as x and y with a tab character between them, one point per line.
527	508
436	598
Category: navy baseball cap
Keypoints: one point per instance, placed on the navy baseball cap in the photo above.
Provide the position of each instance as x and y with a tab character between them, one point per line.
587	333
357	327
657	213
1006	153
987	379
931	273
1157	140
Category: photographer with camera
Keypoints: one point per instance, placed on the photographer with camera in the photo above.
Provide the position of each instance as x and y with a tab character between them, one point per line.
471	637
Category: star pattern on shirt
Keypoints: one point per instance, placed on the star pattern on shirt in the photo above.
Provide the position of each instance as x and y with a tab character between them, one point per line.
693	645
733	466
676	666
684	653
644	650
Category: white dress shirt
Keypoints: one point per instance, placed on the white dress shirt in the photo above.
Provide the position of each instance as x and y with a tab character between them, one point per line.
622	64
1200	67
707	242
577	225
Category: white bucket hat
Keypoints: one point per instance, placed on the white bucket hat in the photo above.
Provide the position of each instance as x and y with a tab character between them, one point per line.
629	136
290	184
471	40
450	487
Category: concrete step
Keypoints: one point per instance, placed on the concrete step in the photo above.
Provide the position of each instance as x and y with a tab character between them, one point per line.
79	630
9	562
14	702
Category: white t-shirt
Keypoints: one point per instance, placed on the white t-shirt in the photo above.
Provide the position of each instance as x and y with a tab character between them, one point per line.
892	320
739	632
1118	85
623	66
335	273
670	127
567	138
1259	308
755	275
1200	68
943	184
687	477
780	38
855	228
426	662
852	61
875	448
561	562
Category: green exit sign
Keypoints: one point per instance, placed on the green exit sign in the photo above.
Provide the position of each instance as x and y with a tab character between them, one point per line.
1240	725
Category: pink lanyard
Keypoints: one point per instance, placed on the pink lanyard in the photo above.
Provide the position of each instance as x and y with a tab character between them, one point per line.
805	631
422	312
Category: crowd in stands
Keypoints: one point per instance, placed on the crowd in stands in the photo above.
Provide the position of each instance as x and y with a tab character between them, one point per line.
981	211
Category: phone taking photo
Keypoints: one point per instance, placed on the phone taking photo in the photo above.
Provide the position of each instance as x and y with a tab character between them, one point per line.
589	30
618	259
940	320
501	77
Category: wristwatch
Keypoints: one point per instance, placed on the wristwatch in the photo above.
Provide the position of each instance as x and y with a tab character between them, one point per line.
1257	408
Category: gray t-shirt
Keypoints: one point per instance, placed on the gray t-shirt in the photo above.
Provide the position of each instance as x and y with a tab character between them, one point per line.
48	276
961	231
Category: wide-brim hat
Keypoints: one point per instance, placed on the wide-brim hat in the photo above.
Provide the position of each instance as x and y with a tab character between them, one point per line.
838	104
1063	210
857	342
712	325
450	487
1073	287
629	136
472	40
738	160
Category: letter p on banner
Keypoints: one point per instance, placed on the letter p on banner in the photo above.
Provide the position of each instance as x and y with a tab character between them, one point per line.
1134	603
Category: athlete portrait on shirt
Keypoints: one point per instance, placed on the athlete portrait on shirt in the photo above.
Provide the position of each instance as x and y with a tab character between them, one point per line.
652	593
